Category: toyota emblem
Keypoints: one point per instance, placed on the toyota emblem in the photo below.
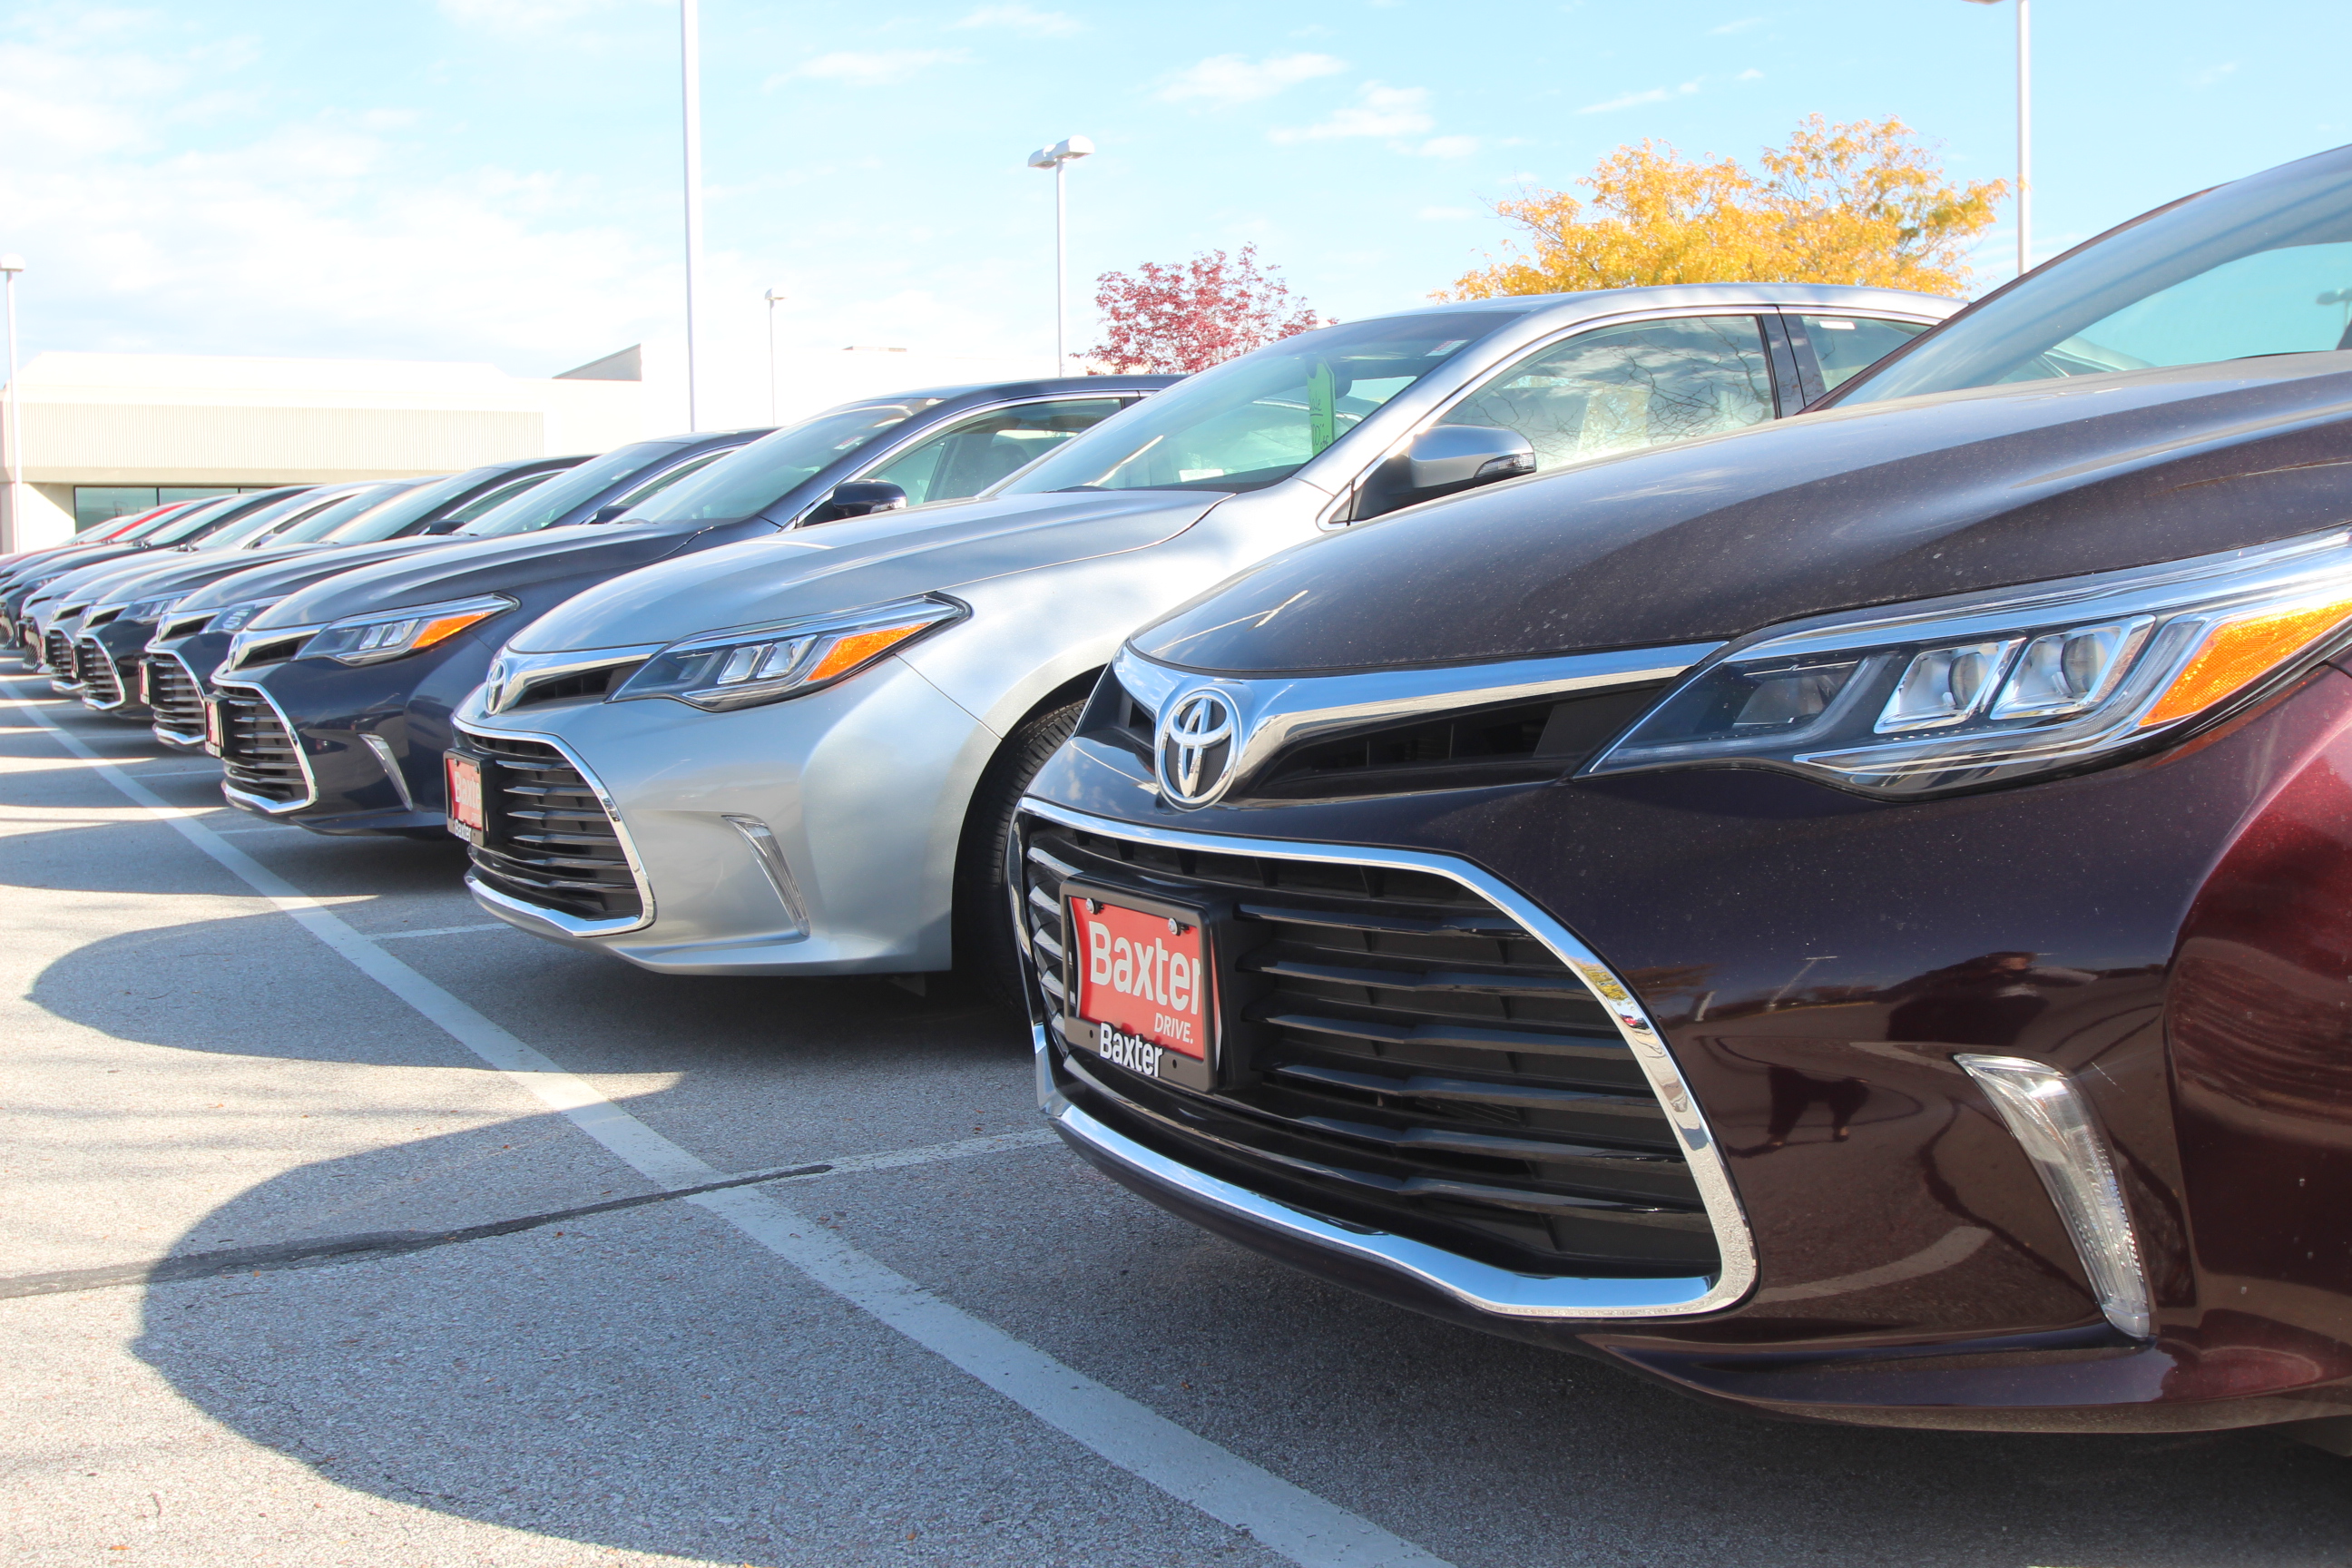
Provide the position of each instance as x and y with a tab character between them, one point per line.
1195	747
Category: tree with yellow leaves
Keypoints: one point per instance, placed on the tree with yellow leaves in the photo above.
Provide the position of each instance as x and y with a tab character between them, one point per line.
1840	203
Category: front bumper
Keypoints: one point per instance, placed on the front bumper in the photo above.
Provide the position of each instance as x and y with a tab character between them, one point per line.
2170	932
816	836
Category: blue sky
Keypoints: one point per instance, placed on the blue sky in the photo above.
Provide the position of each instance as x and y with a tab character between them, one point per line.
497	179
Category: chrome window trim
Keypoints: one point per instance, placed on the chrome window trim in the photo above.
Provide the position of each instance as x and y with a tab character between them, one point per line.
301	760
1478	1286
1274	711
908	442
555	922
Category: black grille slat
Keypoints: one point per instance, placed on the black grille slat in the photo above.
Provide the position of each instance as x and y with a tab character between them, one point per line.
1407	1056
548	841
257	755
58	653
173	697
101	682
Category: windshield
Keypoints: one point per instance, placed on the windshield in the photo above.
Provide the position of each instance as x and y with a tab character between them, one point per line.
1257	419
319	524
548	504
387	517
256	523
190	523
757	476
2245	270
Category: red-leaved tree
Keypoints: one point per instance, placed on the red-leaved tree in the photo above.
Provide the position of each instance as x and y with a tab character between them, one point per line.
1177	320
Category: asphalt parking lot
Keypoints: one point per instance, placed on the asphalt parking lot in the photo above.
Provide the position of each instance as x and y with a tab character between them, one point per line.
310	1283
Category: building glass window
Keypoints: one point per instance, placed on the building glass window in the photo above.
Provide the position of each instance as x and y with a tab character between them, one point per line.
94	504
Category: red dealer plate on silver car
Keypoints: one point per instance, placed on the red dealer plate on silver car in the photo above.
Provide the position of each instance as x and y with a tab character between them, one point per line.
1142	981
465	791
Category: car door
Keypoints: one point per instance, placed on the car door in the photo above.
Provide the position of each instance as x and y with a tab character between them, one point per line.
1619	387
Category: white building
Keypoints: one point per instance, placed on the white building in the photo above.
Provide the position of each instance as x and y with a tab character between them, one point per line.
108	433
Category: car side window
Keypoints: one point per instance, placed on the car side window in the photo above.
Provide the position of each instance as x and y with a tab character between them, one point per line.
970	455
1845	346
498	495
1646	384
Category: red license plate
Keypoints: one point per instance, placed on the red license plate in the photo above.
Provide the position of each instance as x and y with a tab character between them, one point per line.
465	791
213	727
1142	979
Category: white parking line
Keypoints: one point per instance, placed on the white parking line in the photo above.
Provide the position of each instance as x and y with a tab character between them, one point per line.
1284	1519
436	931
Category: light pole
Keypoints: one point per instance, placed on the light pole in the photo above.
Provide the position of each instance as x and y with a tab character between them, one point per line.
1058	158
2024	132
774	294
11	537
690	37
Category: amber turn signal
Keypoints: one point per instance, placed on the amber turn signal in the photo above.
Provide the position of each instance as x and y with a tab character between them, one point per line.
855	649
2235	653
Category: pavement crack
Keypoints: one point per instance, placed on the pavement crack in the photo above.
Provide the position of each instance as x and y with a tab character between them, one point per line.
357	1249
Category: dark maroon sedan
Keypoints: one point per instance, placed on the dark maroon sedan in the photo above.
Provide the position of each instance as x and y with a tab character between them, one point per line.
1852	918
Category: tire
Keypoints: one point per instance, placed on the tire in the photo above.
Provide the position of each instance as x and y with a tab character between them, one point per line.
984	942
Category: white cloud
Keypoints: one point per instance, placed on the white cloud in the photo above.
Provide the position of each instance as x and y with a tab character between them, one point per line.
1741	25
1022	19
1448	147
1445	214
1232	79
879	68
1633	100
2207	77
1750	74
1379	109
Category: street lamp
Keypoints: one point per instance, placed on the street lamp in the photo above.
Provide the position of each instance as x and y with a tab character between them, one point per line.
690	38
774	294
12	537
2024	133
1058	158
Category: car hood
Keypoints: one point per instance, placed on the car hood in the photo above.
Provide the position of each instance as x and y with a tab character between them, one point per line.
100	562
866	561
273	573
464	568
183	571
1876	504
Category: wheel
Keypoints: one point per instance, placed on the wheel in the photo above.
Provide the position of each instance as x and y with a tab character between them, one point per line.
984	942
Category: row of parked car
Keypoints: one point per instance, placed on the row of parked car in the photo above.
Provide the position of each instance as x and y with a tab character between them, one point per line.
1843	914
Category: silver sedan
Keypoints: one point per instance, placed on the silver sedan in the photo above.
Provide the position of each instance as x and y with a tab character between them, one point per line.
799	755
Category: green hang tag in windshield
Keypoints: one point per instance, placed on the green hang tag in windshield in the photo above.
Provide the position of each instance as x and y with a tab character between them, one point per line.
1322	413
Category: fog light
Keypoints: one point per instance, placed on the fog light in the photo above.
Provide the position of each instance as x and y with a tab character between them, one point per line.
2049	1118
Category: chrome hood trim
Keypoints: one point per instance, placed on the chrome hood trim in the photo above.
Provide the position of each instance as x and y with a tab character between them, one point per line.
1271	713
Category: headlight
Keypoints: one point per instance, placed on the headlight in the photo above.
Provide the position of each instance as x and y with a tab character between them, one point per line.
237	617
394	634
1990	687
741	668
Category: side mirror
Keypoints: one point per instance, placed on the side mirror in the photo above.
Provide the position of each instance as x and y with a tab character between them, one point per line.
441	525
608	513
1456	456
859	498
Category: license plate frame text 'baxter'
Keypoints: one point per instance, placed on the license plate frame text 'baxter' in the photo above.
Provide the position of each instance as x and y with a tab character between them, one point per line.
465	780
1141	984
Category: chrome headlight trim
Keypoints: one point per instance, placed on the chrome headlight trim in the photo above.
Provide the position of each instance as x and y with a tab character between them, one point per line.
748	667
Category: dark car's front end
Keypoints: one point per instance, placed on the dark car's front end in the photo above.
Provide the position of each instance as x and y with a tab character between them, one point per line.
1846	917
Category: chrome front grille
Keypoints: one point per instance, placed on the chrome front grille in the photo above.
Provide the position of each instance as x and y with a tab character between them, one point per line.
101	682
548	840
175	699
258	756
1398	1054
58	654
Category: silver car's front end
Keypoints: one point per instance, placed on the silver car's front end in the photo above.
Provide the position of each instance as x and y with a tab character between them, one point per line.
802	836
